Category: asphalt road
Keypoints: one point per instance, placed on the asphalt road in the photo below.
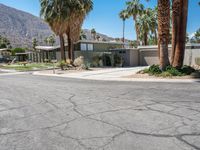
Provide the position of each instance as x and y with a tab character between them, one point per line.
50	113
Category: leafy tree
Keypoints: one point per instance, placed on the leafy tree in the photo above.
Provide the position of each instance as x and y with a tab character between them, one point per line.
17	50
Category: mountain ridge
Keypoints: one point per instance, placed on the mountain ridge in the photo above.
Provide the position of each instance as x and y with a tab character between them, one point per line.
21	27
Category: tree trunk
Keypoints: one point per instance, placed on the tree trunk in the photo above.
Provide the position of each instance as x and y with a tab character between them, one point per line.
145	38
156	37
62	47
179	18
136	29
123	32
163	32
70	46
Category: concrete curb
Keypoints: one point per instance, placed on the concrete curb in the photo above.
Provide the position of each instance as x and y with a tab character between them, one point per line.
120	79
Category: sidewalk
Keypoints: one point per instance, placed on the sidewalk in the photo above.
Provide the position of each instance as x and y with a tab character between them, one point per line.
111	74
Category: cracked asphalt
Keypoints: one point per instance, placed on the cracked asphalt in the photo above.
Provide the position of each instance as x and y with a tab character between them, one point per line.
51	113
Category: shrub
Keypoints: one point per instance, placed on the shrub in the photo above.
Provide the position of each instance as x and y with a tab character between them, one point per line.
62	64
187	70
173	71
154	70
169	72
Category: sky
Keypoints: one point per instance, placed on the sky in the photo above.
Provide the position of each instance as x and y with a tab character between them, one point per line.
104	17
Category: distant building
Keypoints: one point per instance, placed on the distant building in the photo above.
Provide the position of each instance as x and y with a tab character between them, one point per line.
5	55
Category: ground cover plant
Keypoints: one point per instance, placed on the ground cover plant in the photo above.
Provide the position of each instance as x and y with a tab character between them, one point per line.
170	71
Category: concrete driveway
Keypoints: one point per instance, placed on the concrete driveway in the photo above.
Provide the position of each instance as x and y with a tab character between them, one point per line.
50	113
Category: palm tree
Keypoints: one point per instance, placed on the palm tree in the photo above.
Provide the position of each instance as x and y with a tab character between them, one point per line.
51	40
83	35
93	33
163	32
197	36
34	44
55	13
153	13
179	26
134	8
124	15
144	22
78	11
46	40
148	25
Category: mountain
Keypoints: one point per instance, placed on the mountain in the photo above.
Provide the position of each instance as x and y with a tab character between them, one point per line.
21	27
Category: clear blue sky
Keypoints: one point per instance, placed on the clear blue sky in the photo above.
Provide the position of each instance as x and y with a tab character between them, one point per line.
104	17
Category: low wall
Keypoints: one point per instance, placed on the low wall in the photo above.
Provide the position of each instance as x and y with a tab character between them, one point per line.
148	55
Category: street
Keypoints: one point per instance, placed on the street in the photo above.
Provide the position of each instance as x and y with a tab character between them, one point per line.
52	113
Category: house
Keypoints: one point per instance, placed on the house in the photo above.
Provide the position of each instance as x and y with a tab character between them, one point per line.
88	49
5	55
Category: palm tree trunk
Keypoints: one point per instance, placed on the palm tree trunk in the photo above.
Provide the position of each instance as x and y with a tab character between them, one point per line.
145	38
180	13
156	37
123	32
163	32
136	29
62	47
70	46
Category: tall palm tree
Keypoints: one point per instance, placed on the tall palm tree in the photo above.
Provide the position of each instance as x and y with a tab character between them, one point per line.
51	40
34	44
93	33
83	36
163	32
135	8
147	22
197	36
78	11
179	26
153	13
144	22
55	13
124	15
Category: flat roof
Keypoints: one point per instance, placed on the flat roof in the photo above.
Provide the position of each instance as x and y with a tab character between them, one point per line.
100	42
4	49
48	48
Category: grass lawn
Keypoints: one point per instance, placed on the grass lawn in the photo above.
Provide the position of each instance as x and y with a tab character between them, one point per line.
28	67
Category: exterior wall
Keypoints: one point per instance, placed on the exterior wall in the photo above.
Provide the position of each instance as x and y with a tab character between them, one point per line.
100	47
190	55
148	54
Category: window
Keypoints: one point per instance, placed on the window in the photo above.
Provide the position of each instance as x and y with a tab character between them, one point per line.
83	47
90	47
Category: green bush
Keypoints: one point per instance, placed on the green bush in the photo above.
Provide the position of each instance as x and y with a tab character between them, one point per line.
169	72
173	71
154	70
187	70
